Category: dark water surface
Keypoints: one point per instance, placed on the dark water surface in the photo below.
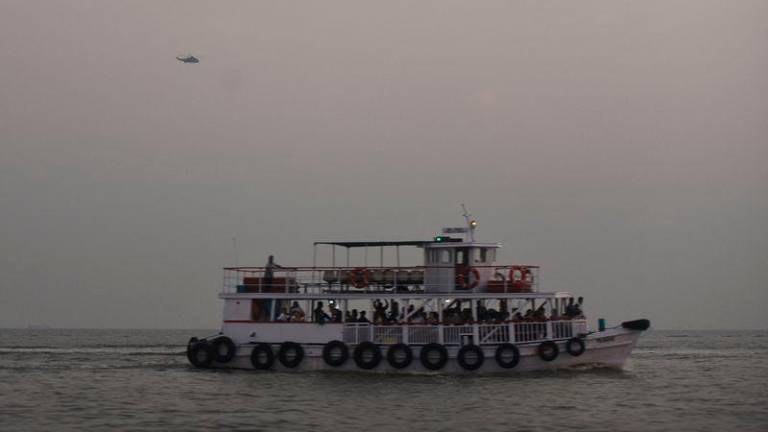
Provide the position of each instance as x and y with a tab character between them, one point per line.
140	380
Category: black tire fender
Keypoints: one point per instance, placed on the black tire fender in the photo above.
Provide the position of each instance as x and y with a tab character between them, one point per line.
328	353
427	362
228	345
461	357
359	354
392	356
269	355
285	349
500	356
200	354
548	350
575	351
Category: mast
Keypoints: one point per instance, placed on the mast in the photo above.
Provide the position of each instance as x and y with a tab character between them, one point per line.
471	223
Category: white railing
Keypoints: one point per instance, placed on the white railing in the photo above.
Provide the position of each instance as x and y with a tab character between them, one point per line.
562	329
530	331
355	333
387	335
493	334
452	334
513	332
579	327
420	335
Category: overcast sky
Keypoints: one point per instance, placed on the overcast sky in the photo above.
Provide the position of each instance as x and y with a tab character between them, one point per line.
621	145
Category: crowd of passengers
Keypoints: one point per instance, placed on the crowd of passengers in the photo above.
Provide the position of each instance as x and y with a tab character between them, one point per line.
392	313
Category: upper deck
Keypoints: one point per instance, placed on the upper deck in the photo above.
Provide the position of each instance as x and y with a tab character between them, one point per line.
452	263
367	282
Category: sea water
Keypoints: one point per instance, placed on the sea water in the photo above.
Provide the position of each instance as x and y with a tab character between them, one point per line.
140	380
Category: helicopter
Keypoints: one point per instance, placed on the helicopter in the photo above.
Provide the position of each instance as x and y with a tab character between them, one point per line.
188	59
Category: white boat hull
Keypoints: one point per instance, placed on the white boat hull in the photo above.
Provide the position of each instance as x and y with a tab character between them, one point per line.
610	348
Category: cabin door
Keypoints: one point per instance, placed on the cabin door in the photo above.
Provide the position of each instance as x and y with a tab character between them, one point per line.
461	266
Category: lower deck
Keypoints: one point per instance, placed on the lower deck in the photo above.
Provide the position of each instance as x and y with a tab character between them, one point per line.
444	334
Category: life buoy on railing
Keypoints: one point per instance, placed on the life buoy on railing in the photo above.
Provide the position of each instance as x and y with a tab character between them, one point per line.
359	277
521	278
462	279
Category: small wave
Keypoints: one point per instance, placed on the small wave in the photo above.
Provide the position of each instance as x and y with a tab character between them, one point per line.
175	350
96	366
95	346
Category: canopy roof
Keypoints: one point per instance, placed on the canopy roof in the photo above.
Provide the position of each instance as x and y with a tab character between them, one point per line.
358	244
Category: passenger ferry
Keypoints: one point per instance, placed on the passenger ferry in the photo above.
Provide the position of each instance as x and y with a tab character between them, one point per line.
459	312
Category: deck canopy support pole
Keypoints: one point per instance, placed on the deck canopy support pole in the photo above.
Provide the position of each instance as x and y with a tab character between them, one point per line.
312	311
549	334
440	330
381	256
315	276
475	328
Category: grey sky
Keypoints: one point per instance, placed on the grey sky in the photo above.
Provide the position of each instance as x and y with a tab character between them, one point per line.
621	145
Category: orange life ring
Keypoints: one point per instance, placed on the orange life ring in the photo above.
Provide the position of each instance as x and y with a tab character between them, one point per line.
359	277
521	278
462	279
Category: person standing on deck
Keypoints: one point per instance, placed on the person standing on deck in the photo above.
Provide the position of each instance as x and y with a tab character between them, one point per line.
269	271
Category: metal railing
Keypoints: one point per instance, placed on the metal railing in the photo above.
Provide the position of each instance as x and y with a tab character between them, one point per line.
486	334
562	329
422	335
493	334
355	333
387	335
530	331
318	280
452	334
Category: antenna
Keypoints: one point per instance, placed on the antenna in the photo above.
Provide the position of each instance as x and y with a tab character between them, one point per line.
234	247
471	224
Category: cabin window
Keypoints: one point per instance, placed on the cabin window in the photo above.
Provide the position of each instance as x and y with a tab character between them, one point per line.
461	256
445	256
433	256
483	255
